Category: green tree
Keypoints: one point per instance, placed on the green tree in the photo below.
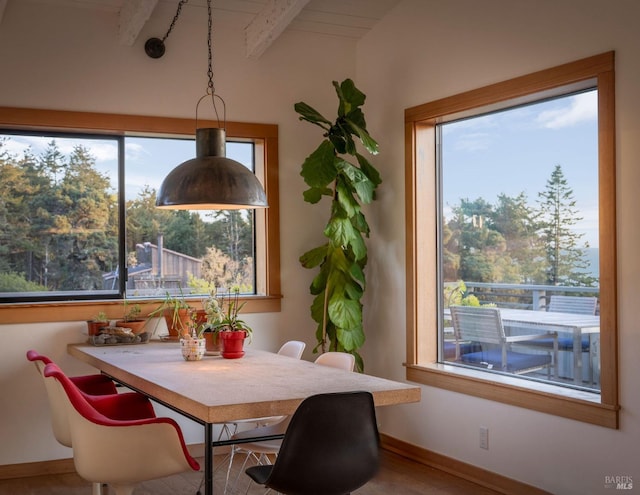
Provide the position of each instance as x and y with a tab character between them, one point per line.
232	233
145	221
516	221
482	250
566	263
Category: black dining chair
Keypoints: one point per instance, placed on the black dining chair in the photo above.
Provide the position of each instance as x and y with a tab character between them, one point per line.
331	447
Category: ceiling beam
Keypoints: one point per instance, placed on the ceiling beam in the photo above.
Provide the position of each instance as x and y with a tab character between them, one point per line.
269	23
133	16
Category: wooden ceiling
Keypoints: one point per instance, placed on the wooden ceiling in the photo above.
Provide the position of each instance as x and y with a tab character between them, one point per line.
267	19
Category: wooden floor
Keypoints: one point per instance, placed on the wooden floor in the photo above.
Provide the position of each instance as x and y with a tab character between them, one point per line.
398	475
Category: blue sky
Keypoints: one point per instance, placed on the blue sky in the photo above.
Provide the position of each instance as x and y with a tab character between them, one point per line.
516	151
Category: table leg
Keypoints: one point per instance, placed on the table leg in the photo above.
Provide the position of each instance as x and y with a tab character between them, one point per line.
208	459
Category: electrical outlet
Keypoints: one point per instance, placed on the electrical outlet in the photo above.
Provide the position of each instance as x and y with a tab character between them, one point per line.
484	437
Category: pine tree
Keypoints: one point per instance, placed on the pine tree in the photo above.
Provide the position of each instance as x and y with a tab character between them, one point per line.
566	263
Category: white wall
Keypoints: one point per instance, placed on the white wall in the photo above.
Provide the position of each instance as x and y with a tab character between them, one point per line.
425	50
69	59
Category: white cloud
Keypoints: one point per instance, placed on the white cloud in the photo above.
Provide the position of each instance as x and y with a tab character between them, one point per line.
135	151
102	151
581	108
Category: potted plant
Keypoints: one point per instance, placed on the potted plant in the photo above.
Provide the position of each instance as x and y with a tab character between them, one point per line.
192	343
177	314
99	321
131	318
232	330
340	283
210	316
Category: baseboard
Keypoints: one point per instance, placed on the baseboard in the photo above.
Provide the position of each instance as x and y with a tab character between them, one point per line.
457	468
31	469
449	465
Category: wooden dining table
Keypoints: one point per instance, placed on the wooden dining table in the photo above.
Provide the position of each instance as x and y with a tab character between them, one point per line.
215	390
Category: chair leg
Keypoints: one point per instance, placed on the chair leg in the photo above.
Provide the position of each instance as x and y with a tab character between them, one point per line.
123	489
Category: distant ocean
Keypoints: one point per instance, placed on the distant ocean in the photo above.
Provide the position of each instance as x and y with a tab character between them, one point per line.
593	257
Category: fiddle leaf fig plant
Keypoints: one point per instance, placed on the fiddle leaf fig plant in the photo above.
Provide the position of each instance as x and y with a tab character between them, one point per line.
337	169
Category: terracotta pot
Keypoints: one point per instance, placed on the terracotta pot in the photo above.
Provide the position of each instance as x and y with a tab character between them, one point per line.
136	326
93	327
212	340
232	344
201	317
181	326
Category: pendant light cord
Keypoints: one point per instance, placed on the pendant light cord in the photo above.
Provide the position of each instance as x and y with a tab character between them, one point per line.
175	19
211	90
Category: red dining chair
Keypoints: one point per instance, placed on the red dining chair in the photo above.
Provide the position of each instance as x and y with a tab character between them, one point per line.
95	384
100	391
121	453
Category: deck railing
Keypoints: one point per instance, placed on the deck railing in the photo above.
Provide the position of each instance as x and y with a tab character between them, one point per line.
521	296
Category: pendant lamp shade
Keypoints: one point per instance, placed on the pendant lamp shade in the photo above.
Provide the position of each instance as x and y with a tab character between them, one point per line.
211	181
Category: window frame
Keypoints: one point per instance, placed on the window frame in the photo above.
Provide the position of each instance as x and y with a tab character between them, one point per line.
263	136
421	190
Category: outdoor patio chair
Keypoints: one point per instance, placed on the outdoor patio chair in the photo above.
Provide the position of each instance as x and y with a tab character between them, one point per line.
575	305
483	325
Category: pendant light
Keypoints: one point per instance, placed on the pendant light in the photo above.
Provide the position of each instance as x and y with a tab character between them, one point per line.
210	181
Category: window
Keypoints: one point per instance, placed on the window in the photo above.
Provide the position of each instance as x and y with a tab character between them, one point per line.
479	232
89	169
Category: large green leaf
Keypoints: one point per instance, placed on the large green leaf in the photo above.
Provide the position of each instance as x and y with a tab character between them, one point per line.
367	141
357	273
319	169
350	97
340	231
314	257
360	223
346	200
351	339
369	170
357	245
310	114
314	194
359	181
317	308
345	313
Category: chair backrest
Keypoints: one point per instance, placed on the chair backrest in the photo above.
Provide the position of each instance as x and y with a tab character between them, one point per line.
341	360
331	446
293	348
119	452
57	403
573	304
478	324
